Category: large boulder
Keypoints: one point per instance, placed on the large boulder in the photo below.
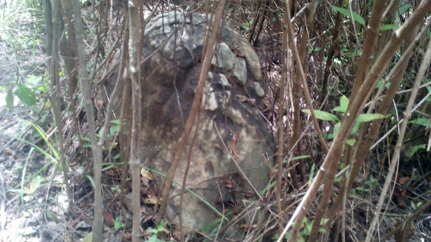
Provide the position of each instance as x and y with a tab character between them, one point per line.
230	127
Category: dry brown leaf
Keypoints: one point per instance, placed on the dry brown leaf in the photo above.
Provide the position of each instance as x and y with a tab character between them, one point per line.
151	200
404	180
108	217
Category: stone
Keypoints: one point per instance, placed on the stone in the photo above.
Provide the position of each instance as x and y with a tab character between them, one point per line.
240	71
228	130
258	89
224	58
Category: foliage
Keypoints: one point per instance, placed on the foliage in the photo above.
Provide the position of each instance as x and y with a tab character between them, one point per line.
118	224
156	232
344	103
349	14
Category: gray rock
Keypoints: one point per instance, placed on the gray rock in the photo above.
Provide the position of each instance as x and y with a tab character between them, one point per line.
228	129
224	58
258	89
240	71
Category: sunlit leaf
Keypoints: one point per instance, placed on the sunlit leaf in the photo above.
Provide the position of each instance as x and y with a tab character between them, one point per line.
368	117
322	115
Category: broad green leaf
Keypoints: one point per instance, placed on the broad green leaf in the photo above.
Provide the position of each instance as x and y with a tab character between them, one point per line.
422	121
368	117
344	102
114	129
154	239
9	100
347	13
355	128
161	227
115	121
25	94
415	148
339	109
52	216
101	131
381	82
336	128
322	115
403	9
429	90
152	231
389	26
351	142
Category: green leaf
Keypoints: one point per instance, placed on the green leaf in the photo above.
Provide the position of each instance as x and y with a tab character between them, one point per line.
422	121
9	100
52	216
339	109
300	157
389	26
115	121
404	9
368	117
355	128
161	227
154	239
336	128
152	231
351	142
36	183
25	94
381	82
344	102
101	131
310	179
322	115
114	129
415	149
347	13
